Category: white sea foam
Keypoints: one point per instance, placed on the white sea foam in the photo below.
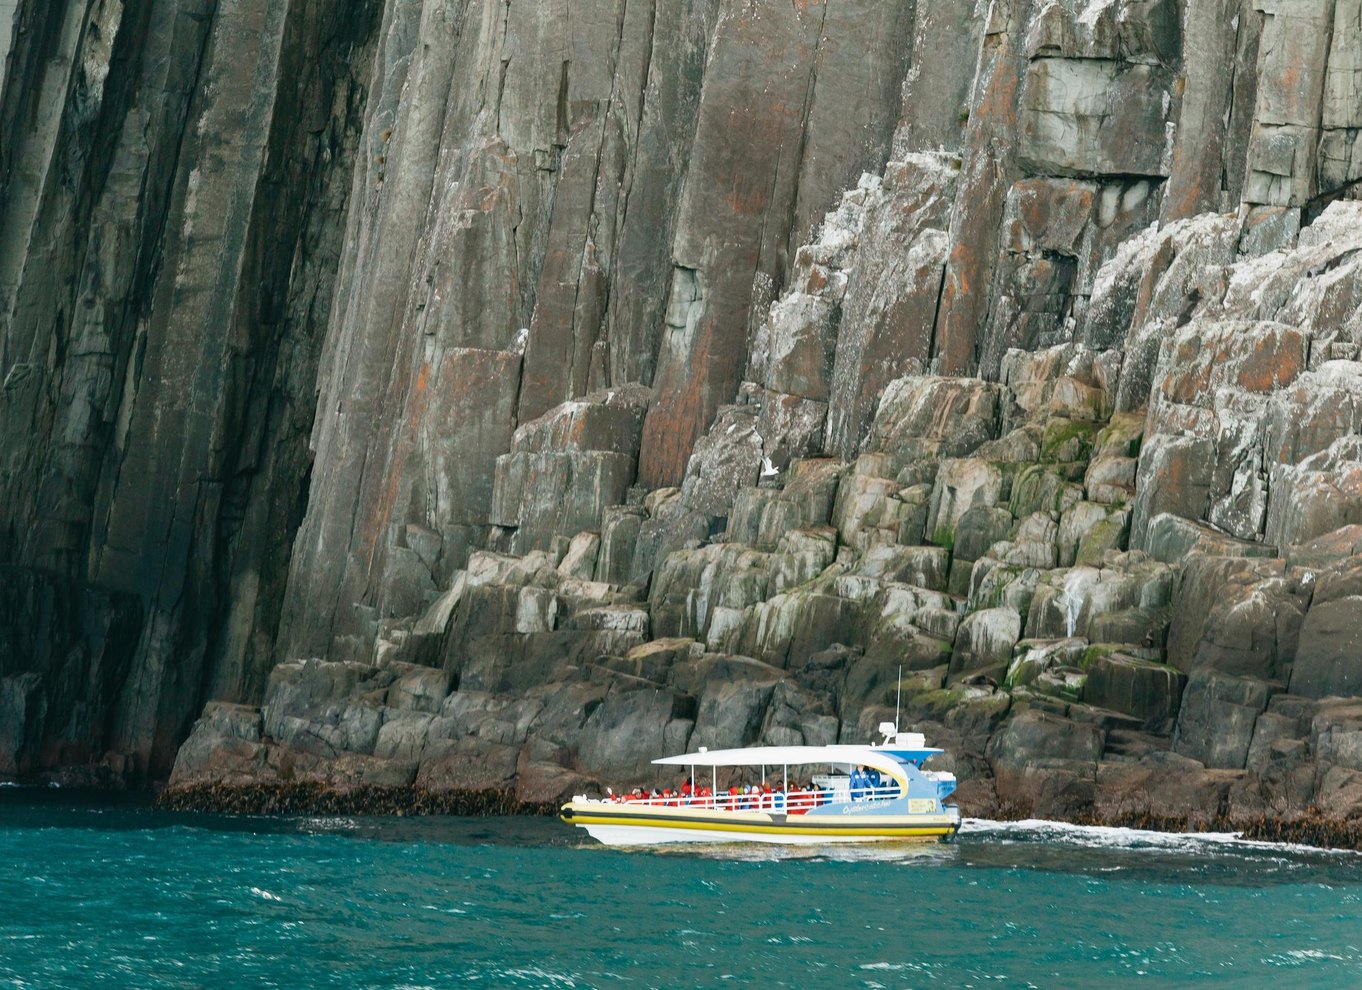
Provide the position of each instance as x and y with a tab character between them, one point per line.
541	977
323	824
1293	958
1314	954
1108	837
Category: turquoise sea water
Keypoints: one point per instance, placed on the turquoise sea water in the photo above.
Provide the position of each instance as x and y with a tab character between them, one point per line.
110	895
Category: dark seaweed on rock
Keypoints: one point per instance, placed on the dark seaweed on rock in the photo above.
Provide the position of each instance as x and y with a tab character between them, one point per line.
322	799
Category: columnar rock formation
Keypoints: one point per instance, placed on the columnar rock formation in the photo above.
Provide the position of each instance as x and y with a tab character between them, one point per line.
499	394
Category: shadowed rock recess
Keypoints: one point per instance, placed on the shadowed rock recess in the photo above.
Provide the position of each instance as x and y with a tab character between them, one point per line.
453	395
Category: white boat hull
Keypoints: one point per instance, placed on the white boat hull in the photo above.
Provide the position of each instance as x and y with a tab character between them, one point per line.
626	825
643	835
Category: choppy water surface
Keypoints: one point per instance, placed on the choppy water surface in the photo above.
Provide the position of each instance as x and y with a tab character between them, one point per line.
120	896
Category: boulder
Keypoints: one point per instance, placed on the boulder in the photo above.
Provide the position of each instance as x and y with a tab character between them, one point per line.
1174	477
1034	659
980	528
927	417
985	640
1171	540
731	713
797	624
625	732
223	747
298	688
1320	494
993	584
922	567
1173	788
620	527
1110	535
1068	383
1094	116
466	764
1037	740
802	555
1217	717
1328	656
542	494
692	584
418	689
798	717
1236	615
961	484
1045	765
580	559
403	736
1150	692
1111	480
1045	488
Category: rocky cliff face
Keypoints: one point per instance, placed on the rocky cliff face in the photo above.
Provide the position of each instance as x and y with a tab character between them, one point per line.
498	394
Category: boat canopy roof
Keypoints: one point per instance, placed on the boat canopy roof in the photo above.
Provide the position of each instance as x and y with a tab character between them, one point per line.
885	759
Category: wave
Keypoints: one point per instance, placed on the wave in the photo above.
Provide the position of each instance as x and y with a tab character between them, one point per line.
1115	837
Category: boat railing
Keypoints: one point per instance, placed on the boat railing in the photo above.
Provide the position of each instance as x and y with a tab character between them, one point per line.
792	802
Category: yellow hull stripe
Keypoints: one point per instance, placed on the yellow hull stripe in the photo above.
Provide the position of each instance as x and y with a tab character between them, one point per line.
717	826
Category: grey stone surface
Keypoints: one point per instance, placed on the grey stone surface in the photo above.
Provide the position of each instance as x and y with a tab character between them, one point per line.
497	396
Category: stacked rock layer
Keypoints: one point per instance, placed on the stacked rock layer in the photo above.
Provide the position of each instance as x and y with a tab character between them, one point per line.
464	394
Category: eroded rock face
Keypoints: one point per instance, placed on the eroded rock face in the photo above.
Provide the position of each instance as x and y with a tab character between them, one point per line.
466	396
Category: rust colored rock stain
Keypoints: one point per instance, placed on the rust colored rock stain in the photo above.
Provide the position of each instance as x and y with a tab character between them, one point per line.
1273	362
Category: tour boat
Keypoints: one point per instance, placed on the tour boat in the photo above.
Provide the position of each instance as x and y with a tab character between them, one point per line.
907	804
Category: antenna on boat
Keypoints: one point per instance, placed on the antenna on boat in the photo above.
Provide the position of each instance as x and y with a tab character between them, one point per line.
898	698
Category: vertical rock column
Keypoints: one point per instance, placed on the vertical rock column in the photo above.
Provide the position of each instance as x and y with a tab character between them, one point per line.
768	159
9	10
168	236
480	247
987	172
